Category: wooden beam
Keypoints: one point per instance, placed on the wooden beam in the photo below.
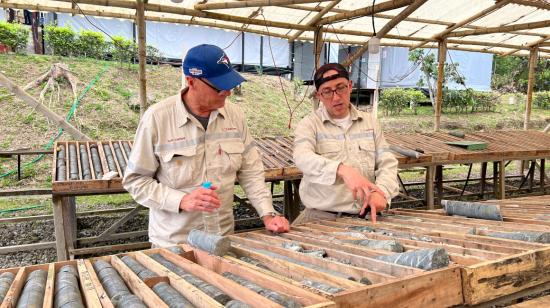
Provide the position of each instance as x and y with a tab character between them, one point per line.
502	29
142	53
366	11
466	21
386	29
315	19
535	43
250	3
539	4
318	43
530	86
178	10
31	101
411	19
441	56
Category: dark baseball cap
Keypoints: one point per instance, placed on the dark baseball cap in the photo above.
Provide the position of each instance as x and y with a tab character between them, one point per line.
211	63
341	71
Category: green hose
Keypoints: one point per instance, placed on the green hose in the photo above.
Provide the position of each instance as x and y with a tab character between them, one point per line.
21	209
69	116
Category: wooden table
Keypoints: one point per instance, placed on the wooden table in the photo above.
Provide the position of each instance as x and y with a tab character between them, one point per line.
279	166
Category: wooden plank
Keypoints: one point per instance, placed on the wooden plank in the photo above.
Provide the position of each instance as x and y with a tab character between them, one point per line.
136	285
335	251
229	287
437	288
15	290
87	288
189	291
353	271
99	291
221	265
59	226
50	287
488	280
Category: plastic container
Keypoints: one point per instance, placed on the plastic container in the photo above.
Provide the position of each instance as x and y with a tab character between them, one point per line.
211	221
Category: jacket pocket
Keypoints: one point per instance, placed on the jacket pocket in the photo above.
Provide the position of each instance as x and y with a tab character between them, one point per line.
233	156
180	167
330	149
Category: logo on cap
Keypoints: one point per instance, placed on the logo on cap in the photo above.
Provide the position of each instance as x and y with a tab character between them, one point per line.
224	60
195	71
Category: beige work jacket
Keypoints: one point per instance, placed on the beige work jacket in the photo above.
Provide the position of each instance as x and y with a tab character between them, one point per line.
170	158
320	146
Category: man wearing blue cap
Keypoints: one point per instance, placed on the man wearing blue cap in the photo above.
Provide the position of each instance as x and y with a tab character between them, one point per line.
181	140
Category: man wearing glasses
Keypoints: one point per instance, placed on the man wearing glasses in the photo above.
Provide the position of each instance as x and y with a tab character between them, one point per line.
346	163
179	141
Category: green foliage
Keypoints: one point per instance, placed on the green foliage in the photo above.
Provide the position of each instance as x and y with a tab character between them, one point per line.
511	74
469	100
123	50
61	39
91	44
542	100
124	92
15	36
103	94
394	100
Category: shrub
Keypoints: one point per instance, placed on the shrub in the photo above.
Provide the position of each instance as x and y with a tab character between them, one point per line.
91	44
60	39
14	36
484	101
541	99
394	100
469	100
457	100
123	50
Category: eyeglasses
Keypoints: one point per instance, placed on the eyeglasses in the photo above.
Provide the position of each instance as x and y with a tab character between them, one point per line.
329	93
211	86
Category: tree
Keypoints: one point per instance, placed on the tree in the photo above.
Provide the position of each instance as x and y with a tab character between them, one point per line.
428	67
511	74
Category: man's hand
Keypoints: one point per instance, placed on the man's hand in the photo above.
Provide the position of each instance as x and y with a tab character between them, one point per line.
362	189
277	224
377	203
200	200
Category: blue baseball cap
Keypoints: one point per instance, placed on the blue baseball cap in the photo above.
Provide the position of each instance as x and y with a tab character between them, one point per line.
211	63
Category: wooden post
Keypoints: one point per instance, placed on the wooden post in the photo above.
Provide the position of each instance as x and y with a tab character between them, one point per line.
530	84
483	179
429	189
439	182
442	53
532	174
291	207
317	48
495	179
64	219
140	20
542	175
501	180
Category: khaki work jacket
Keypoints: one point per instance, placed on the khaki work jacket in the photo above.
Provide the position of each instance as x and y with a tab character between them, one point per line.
170	158
320	146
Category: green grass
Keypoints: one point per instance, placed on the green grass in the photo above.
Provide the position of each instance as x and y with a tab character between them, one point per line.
115	200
